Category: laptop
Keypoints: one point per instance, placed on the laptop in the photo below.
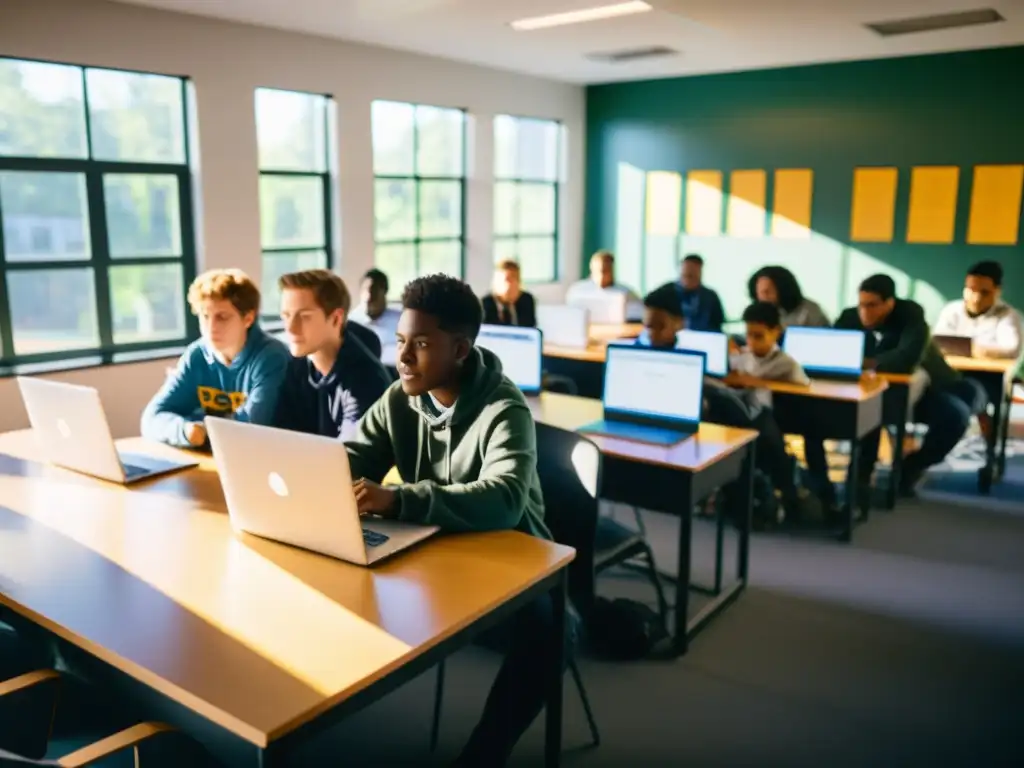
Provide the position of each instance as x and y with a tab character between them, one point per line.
521	352
605	308
72	429
564	326
651	395
714	345
297	489
826	352
955	346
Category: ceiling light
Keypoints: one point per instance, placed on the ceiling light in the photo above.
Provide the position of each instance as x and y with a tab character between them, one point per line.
578	17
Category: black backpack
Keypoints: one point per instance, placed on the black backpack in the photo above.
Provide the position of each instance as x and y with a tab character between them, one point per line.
622	629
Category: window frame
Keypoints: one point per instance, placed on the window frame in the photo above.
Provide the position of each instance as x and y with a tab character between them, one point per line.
416	178
326	179
556	184
100	260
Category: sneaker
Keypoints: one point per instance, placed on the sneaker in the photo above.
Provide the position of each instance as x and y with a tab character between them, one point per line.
910	476
805	507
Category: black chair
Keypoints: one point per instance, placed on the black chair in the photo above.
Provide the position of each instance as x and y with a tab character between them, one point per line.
569	466
28	709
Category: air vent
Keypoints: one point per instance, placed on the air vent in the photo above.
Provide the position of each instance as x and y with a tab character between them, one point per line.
937	22
633	54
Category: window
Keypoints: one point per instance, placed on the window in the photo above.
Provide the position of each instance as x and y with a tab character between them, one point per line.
294	136
96	238
526	174
419	190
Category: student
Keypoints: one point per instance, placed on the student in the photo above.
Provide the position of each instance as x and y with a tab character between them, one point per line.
334	378
374	313
234	371
663	319
762	358
602	282
701	306
897	340
993	326
463	439
507	303
777	285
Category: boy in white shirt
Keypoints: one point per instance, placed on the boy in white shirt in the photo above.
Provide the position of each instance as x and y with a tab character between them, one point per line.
374	313
993	326
602	283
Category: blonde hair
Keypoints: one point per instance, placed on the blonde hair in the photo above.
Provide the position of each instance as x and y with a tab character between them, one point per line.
225	285
603	255
329	290
507	264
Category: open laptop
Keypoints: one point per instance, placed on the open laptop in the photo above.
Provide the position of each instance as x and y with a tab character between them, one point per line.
564	326
827	353
520	351
714	345
651	395
72	429
297	489
605	308
956	346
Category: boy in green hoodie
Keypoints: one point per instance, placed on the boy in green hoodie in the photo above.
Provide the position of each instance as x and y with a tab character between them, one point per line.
464	441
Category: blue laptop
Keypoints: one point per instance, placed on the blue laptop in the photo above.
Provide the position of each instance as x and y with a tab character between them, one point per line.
651	395
714	345
826	353
520	351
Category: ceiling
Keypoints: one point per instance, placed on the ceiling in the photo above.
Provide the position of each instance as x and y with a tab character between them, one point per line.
711	35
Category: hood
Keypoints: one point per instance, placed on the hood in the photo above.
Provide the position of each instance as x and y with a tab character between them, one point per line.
482	376
255	340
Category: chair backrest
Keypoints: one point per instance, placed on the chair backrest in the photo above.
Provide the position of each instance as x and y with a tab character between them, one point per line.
367	336
569	466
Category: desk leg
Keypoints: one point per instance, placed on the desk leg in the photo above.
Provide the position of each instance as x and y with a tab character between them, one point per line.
1004	431
553	709
986	475
746	483
852	492
680	638
719	544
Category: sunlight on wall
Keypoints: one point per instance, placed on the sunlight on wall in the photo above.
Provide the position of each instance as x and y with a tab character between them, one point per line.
629	229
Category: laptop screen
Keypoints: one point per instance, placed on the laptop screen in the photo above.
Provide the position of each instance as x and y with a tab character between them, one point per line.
604	307
563	326
663	384
826	350
714	345
519	350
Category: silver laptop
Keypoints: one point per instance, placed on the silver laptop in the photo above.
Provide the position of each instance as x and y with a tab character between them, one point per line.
297	489
72	429
520	351
564	326
604	308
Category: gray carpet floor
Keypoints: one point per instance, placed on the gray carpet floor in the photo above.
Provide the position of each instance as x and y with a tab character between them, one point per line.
905	648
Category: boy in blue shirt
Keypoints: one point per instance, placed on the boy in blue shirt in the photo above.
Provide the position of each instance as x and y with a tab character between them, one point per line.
663	319
334	377
233	371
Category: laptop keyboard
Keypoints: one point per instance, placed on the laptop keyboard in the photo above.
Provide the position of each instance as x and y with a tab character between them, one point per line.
373	539
132	470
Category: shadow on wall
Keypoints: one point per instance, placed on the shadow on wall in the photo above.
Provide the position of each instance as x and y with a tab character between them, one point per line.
736	235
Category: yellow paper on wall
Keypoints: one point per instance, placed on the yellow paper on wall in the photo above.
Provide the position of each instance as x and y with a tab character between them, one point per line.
932	214
995	205
664	200
873	212
745	214
704	202
791	213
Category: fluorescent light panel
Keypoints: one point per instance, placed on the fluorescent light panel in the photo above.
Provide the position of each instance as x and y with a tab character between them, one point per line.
578	17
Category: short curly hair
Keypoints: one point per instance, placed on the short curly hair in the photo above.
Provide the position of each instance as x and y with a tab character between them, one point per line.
451	301
666	298
762	313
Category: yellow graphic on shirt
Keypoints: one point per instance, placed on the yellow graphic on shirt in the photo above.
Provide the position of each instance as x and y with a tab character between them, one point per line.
216	401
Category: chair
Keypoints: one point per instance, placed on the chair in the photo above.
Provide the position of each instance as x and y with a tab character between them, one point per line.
569	466
366	335
28	708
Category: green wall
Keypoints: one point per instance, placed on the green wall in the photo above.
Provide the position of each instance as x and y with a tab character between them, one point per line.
959	109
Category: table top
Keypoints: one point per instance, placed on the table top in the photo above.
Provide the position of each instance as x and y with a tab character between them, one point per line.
843	391
982	364
600	335
256	636
712	442
610	331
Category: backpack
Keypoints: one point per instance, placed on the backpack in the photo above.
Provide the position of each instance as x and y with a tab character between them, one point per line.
622	629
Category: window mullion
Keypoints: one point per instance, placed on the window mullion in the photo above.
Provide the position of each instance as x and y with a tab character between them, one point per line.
100	260
6	313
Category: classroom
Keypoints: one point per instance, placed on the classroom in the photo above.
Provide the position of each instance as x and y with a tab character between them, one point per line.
547	382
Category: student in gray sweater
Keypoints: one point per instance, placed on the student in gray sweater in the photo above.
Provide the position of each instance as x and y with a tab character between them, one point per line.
762	358
777	285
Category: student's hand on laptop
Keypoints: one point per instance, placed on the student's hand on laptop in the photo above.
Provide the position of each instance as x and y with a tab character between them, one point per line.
196	434
373	499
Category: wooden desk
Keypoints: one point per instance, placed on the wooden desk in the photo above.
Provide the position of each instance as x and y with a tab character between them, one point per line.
610	331
671	479
248	645
828	410
586	366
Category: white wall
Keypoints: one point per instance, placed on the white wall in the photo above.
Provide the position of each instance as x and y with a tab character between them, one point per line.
227	62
